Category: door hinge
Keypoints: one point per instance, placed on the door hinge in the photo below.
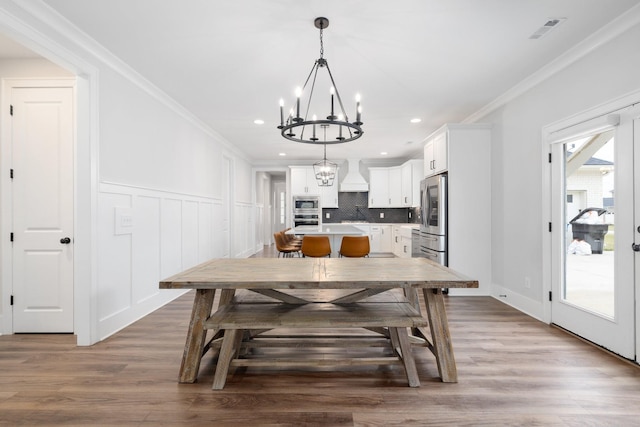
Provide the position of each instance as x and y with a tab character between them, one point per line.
550	296
11	302
11	110
549	157
549	227
11	237
11	173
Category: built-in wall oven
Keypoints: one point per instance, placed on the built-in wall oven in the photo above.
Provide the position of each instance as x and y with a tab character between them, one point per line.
306	211
431	239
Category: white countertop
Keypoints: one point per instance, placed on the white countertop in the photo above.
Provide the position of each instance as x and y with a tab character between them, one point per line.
330	229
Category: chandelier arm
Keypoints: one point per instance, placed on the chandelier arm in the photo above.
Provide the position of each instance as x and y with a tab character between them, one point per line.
313	85
346	118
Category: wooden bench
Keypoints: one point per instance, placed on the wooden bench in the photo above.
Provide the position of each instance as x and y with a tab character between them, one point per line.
236	319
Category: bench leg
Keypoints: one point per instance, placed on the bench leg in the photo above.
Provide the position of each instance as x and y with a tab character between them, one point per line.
227	353
400	336
442	346
196	335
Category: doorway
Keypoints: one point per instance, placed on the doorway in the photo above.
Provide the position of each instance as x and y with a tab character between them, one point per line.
593	283
41	147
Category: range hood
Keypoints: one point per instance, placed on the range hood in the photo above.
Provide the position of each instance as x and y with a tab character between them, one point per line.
353	181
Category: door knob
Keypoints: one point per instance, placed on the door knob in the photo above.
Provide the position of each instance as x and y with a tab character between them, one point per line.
65	240
635	247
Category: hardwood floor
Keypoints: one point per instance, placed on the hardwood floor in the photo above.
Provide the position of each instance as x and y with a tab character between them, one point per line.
513	370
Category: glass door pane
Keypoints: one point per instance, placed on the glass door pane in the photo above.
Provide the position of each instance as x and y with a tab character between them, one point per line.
590	224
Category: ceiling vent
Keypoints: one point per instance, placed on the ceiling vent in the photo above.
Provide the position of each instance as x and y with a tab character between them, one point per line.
548	26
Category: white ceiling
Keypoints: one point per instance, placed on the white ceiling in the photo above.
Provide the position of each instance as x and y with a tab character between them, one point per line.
229	62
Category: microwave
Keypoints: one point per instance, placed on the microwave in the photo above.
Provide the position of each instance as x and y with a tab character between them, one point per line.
306	203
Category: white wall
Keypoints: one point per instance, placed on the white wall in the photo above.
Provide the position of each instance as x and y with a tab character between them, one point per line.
606	73
145	154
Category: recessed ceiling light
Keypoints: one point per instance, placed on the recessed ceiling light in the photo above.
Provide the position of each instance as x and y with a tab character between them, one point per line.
282	154
258	121
416	120
384	153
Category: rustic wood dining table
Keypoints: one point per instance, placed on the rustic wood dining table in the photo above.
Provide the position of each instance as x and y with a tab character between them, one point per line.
361	277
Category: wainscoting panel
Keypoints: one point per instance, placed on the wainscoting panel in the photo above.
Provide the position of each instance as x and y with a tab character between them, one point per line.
144	236
146	247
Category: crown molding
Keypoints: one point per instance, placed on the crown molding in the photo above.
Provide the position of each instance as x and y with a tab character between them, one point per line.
76	38
612	30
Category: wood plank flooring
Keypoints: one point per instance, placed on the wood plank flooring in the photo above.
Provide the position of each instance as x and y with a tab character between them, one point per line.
513	370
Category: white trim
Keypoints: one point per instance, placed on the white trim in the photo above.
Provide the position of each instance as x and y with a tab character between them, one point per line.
604	35
75	36
86	169
6	189
550	134
518	301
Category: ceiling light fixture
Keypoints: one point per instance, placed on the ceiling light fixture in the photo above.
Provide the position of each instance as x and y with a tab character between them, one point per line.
325	171
416	120
335	129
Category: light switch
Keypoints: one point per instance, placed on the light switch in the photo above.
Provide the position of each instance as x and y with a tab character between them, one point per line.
123	220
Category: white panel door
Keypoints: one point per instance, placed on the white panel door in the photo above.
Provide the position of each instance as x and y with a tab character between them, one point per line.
42	195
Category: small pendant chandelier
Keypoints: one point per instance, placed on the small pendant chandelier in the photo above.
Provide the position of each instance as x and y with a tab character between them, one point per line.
325	171
336	128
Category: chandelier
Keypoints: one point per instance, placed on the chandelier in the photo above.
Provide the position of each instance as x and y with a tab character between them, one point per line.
325	171
336	128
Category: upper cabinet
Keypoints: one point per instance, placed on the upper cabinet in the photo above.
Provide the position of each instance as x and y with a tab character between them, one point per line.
395	187
436	154
384	187
303	182
412	173
329	196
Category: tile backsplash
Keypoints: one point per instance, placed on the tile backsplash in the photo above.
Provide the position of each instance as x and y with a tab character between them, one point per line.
354	207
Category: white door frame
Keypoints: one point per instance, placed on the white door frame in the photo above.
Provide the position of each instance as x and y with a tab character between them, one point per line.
86	174
549	134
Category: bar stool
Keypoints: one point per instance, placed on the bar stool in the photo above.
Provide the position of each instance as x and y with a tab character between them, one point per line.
284	249
354	246
316	246
291	238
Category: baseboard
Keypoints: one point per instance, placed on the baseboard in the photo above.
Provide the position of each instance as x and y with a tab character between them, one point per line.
520	302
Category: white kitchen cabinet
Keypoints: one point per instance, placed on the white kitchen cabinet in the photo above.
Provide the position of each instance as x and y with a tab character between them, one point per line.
385	186
412	173
395	187
385	239
303	182
378	187
401	243
436	154
329	196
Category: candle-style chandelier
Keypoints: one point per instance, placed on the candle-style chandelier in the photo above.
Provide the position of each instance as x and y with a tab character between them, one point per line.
336	128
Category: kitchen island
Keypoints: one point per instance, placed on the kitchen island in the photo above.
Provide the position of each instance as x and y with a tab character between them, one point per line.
335	232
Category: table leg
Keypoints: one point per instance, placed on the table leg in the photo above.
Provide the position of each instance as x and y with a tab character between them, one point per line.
443	348
196	335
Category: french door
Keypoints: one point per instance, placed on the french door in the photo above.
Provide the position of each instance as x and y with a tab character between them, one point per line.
595	216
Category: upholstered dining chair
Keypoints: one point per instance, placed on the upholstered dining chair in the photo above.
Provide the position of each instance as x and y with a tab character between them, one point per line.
354	246
284	249
316	246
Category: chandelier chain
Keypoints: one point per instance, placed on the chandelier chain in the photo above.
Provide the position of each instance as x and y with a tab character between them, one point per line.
321	44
